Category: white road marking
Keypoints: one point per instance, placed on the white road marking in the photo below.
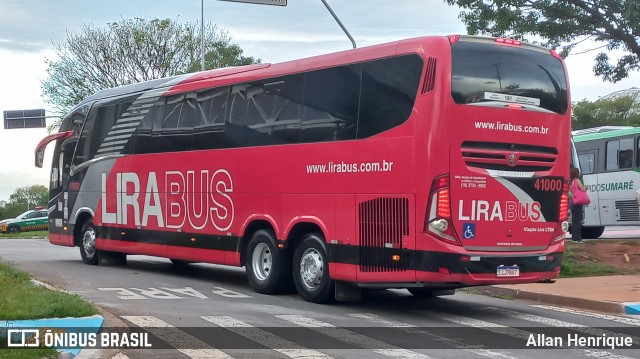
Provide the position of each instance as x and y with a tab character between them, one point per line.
615	318
353	338
449	341
262	337
176	338
558	323
515	332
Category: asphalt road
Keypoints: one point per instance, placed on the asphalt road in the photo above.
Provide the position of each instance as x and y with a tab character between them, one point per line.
202	303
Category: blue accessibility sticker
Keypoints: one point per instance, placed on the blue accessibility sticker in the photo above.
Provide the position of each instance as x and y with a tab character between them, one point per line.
469	230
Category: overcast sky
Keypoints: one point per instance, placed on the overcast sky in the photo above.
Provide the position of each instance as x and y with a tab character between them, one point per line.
272	33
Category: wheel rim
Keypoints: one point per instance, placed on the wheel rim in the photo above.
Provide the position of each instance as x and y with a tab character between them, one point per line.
262	260
311	268
89	242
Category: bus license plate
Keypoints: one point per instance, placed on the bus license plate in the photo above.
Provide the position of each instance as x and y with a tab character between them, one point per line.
508	271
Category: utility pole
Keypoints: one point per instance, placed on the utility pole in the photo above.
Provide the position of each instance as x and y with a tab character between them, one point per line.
202	34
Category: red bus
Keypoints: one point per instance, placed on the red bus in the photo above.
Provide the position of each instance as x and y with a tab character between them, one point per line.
429	164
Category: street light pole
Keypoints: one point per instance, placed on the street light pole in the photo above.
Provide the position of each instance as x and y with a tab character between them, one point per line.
339	23
202	34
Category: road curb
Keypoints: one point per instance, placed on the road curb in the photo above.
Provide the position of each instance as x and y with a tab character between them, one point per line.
560	300
631	308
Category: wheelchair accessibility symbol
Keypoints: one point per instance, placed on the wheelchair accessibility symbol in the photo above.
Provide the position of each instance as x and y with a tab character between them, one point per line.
469	230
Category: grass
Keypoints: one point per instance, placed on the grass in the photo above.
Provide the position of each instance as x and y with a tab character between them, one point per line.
21	299
571	267
39	234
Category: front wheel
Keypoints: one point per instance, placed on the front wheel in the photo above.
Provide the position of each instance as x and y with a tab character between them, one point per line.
311	270
88	250
268	269
14	229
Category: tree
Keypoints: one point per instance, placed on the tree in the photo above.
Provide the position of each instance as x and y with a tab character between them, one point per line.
610	24
131	51
30	196
619	111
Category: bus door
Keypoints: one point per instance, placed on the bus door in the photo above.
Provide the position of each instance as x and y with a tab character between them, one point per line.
590	178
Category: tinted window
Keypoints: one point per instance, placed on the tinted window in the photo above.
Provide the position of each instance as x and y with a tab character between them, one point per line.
481	69
331	99
389	88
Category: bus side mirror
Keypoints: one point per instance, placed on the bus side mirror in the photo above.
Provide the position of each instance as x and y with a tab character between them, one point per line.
40	157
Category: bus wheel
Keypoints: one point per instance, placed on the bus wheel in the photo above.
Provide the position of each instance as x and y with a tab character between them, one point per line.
268	269
311	270
88	250
592	232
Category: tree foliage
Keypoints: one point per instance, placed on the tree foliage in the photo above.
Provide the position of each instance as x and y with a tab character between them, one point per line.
131	51
620	111
564	24
23	199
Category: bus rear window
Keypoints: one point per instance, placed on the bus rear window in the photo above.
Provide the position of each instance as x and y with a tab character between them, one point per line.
485	72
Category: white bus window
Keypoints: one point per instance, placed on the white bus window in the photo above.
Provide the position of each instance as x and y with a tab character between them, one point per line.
587	163
620	154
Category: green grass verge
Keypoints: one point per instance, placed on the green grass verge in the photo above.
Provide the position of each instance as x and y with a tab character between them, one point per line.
39	234
21	299
571	267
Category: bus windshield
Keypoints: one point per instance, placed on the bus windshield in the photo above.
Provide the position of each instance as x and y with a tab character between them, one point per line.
483	73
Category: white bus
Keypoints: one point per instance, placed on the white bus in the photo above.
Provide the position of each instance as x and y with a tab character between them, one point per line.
609	160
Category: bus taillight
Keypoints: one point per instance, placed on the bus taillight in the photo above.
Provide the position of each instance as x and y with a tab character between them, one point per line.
564	203
454	38
438	218
561	230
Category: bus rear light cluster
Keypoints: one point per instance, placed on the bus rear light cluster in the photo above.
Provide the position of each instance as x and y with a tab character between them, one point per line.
438	216
564	203
453	39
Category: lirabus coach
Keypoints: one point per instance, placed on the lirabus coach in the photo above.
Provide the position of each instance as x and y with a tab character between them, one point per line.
431	164
610	161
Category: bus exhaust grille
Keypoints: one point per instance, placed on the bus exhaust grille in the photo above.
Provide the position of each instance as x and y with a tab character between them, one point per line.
504	156
383	222
627	211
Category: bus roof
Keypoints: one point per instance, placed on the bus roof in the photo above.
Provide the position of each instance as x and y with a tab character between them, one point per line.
405	46
606	135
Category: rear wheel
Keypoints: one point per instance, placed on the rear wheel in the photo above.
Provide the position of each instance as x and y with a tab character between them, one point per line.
268	269
88	250
592	232
311	270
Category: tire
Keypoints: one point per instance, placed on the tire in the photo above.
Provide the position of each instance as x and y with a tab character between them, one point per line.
268	269
87	243
14	229
311	270
592	232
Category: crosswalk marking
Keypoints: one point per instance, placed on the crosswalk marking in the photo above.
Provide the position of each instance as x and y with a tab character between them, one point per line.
556	323
513	332
176	337
615	318
262	337
353	338
449	341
